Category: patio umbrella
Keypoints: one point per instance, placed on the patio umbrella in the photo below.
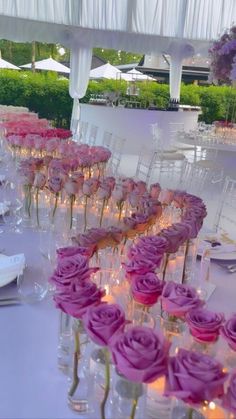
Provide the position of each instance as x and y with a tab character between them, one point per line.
106	71
49	64
135	75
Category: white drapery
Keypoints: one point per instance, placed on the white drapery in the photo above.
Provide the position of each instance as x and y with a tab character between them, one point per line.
144	26
80	64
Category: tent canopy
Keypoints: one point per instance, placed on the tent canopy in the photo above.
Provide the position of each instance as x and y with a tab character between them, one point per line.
7	65
135	75
180	28
106	71
131	25
49	64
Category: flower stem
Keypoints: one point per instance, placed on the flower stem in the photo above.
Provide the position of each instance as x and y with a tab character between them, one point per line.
101	216
75	381
85	213
134	407
107	383
72	199
55	205
165	266
37	205
29	200
185	260
121	204
190	413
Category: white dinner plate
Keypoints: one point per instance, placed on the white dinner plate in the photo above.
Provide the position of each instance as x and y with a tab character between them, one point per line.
217	253
14	267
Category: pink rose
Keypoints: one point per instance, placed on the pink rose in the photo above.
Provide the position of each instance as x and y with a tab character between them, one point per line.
74	250
102	322
166	196
104	192
90	186
128	184
148	252
204	325
229	400
52	144
140	354
141	187
147	288
194	377
27	176
110	180
119	194
155	190
71	187
178	299
78	177
39	180
175	235
228	331
140	266
76	303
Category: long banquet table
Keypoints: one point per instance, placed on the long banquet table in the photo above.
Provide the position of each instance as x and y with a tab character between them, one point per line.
31	386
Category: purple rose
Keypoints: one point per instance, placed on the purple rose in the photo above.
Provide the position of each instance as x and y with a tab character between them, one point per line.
103	321
228	331
146	252
71	187
140	354
55	184
178	299
76	303
70	270
194	377
147	288
229	400
166	196
139	267
204	324
39	180
74	250
176	236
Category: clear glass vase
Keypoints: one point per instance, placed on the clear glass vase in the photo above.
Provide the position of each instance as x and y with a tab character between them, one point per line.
64	342
80	378
127	399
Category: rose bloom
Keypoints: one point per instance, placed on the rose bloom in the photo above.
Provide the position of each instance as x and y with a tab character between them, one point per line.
194	377
166	196
149	252
103	321
176	236
75	250
229	400
69	270
147	288
140	267
140	354
155	190
178	299
228	331
39	180
204	324
76	303
55	184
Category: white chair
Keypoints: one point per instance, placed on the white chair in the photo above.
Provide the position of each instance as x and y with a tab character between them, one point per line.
225	219
107	140
198	177
117	148
92	135
146	161
167	161
83	129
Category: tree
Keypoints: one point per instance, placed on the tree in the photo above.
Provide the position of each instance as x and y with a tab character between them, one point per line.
117	57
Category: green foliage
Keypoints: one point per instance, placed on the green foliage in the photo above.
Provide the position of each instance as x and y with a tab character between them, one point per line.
43	93
117	57
48	95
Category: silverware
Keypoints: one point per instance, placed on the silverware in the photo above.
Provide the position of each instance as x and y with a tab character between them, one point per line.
10	301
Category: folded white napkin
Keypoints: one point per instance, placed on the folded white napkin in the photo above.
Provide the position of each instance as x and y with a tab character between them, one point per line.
11	267
4	207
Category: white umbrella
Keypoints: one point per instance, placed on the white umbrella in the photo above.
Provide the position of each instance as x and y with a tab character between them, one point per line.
7	65
49	64
106	71
135	75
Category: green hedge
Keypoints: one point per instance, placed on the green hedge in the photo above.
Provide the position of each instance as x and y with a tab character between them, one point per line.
47	94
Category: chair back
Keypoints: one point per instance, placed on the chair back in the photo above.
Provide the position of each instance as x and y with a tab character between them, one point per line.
226	211
146	161
92	135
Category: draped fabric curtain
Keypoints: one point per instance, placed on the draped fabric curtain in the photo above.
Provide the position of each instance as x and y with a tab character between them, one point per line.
80	64
145	26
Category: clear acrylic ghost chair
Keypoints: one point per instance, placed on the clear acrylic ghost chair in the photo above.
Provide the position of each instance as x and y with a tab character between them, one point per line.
83	129
118	145
171	163
197	179
145	164
92	135
107	140
225	220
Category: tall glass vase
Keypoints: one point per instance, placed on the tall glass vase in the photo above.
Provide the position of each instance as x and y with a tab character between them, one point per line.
64	342
80	379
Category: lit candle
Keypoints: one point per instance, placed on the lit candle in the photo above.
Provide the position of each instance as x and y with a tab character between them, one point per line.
171	267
